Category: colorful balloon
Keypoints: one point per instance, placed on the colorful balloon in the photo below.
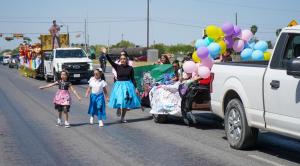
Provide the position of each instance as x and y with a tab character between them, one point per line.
257	55
202	52
261	45
200	43
214	50
228	28
213	32
229	41
208	40
208	62
267	56
189	67
237	31
203	72
238	45
246	35
246	54
223	46
195	57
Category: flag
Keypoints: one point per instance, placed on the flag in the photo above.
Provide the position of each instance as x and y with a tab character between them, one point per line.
157	73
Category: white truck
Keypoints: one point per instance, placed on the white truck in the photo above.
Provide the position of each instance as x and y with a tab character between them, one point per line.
260	95
74	60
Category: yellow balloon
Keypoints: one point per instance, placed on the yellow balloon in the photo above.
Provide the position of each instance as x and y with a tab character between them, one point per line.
222	34
195	57
267	56
223	46
213	32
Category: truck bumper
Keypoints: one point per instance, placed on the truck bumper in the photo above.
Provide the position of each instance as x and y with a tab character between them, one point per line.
80	75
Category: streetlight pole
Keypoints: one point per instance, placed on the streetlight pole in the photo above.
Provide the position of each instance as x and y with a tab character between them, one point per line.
148	23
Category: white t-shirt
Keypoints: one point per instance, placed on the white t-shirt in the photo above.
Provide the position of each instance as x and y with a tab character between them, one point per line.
97	85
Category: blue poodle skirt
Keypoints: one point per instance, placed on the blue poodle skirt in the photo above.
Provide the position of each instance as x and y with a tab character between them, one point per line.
123	96
97	106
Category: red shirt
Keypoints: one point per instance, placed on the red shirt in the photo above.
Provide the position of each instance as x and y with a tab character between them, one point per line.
205	81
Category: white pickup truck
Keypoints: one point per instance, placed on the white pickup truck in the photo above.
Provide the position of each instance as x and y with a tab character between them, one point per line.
260	95
74	60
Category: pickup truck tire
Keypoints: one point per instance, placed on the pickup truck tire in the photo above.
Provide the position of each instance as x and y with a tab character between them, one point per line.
239	134
159	118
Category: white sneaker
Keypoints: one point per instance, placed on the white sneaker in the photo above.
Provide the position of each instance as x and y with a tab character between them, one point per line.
101	123
58	123
67	124
91	120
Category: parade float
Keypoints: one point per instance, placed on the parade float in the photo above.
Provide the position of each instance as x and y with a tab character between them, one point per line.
32	55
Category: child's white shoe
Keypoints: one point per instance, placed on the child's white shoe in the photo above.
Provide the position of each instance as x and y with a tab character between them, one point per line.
58	123
91	120
67	124
101	123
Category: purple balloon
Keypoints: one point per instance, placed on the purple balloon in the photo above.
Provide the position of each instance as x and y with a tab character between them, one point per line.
208	62
229	41
202	52
237	31
228	28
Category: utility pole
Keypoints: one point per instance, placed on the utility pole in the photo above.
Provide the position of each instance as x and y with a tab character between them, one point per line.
236	18
148	23
122	36
85	37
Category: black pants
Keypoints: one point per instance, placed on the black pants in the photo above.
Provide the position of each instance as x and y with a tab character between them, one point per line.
103	66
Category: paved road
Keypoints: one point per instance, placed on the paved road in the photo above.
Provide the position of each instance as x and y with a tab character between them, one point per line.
28	135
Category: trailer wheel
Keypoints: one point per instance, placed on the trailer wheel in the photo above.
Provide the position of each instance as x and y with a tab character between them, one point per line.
239	134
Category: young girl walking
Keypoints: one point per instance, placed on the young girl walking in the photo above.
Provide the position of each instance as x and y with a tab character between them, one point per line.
62	99
98	94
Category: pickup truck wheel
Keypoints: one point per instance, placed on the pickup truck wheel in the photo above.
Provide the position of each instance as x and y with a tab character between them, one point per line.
239	134
159	118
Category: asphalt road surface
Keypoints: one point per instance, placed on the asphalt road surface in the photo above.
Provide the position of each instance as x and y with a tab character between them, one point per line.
29	137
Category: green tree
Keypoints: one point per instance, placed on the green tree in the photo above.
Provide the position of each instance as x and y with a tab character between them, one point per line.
180	48
123	44
162	48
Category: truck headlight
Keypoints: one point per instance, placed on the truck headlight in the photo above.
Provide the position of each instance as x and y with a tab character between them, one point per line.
91	66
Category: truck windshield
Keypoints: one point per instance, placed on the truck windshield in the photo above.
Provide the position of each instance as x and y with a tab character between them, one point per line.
70	54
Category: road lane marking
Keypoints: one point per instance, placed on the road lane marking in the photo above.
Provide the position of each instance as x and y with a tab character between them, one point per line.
264	160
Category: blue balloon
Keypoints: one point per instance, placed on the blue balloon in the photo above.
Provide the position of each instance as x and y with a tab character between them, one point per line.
214	50
208	41
246	54
257	55
261	45
251	45
200	43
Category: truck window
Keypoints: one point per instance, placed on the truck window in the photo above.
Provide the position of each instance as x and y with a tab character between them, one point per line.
278	53
292	49
70	54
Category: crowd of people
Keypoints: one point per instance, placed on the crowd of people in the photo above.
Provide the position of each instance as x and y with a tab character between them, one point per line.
165	97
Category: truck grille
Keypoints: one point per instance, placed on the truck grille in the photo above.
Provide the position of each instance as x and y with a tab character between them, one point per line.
71	67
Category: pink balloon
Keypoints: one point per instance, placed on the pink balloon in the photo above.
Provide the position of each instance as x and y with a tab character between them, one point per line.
246	35
208	62
204	72
238	45
189	66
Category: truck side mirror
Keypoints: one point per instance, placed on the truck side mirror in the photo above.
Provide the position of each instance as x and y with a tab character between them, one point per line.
293	67
48	57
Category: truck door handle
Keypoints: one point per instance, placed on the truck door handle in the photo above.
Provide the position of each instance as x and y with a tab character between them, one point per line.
275	84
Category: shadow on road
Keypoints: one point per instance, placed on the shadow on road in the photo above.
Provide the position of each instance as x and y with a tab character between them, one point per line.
129	121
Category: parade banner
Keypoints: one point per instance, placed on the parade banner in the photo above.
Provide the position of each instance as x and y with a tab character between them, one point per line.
156	72
46	41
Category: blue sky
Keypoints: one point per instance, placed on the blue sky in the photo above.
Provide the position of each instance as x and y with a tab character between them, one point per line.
172	21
